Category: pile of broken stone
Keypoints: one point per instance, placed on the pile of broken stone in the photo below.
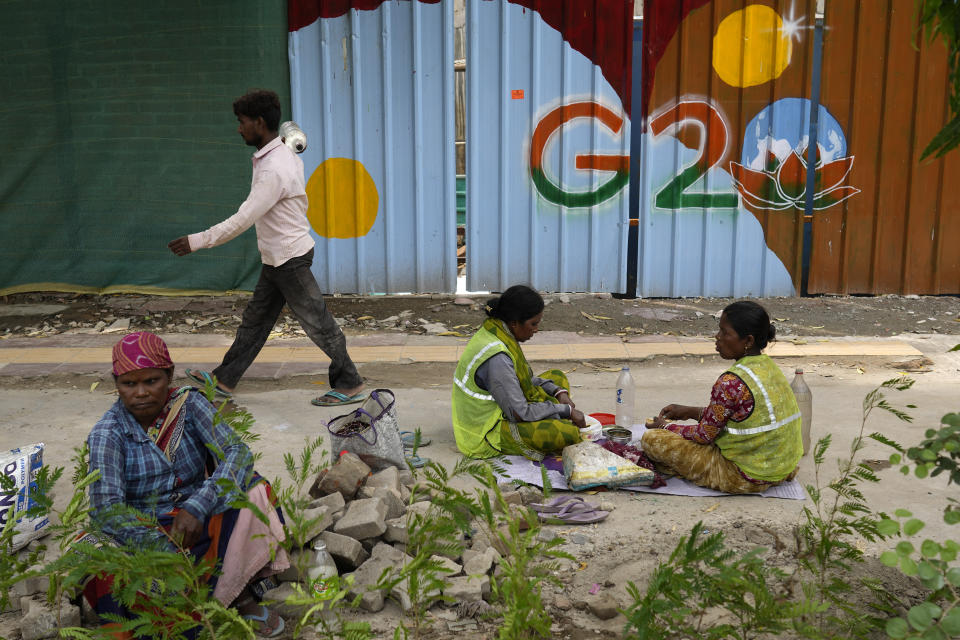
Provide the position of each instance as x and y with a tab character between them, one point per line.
361	516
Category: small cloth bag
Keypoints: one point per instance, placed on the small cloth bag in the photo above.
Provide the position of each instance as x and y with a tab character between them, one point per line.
372	432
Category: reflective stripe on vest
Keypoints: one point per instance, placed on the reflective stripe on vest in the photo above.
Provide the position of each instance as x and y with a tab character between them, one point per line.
766	400
462	382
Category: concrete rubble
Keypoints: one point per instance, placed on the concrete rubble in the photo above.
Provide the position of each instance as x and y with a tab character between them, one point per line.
369	541
363	521
44	620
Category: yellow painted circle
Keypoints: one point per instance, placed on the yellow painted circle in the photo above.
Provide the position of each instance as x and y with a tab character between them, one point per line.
343	199
751	47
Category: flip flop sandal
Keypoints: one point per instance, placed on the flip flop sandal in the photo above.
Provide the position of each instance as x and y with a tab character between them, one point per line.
416	461
409	437
557	504
263	629
337	399
575	513
203	378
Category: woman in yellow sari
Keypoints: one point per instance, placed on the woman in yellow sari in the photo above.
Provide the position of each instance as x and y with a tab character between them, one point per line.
499	406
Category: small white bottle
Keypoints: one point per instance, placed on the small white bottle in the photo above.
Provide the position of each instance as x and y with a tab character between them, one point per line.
626	398
293	136
805	401
319	574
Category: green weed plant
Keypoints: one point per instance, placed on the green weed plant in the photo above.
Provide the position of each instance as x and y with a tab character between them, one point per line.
456	515
705	590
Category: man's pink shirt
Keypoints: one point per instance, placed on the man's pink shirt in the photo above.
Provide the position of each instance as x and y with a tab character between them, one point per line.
277	205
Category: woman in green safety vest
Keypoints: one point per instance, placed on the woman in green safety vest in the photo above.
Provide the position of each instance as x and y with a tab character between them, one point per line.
499	406
748	438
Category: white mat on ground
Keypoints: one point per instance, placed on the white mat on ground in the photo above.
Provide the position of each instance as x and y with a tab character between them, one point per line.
519	468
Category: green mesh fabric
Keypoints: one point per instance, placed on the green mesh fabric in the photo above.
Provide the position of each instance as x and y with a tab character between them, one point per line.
119	136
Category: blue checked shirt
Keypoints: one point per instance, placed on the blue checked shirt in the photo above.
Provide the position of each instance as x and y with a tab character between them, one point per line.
136	473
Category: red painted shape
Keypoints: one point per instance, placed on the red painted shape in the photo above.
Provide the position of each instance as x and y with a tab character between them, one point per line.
661	19
602	30
708	120
301	13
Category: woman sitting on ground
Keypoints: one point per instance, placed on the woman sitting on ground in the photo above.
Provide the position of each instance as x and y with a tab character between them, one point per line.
499	406
748	439
153	451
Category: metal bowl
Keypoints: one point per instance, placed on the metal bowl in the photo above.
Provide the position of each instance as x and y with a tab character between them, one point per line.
620	435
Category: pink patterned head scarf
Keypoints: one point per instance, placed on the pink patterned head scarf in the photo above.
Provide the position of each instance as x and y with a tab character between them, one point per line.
140	350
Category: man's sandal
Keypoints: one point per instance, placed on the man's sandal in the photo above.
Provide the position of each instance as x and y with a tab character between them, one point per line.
417	462
409	437
203	378
335	398
269	624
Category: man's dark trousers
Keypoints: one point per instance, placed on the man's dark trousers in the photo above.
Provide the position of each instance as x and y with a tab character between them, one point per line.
291	283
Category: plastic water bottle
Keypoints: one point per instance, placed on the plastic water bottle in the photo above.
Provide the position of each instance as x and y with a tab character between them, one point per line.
319	575
293	136
626	398
805	402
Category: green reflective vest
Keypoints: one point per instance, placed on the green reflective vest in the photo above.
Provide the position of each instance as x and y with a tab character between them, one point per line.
766	445
476	415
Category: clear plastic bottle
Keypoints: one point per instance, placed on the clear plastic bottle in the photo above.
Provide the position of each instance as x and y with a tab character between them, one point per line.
319	574
805	401
626	398
293	136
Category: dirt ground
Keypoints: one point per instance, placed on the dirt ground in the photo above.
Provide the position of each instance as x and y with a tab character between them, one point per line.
588	314
642	528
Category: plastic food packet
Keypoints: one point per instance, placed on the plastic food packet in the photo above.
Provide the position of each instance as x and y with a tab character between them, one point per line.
587	465
22	466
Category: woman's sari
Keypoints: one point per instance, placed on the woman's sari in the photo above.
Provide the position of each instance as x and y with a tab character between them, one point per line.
235	543
536	438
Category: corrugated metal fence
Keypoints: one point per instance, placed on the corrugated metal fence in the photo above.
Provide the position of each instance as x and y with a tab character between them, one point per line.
887	89
756	149
373	87
769	144
726	87
548	135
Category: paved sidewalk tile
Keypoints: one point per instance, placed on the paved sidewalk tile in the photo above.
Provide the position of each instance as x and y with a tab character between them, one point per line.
193	354
780	349
424	353
646	349
374	354
547	352
298	356
872	348
699	348
611	351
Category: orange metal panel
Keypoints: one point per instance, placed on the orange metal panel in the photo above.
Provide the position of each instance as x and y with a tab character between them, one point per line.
923	242
784	229
827	261
896	141
947	277
888	97
686	71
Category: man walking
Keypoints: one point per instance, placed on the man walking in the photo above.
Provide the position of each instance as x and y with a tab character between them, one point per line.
277	205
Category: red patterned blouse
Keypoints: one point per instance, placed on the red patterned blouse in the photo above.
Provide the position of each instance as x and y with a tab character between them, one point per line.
730	399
